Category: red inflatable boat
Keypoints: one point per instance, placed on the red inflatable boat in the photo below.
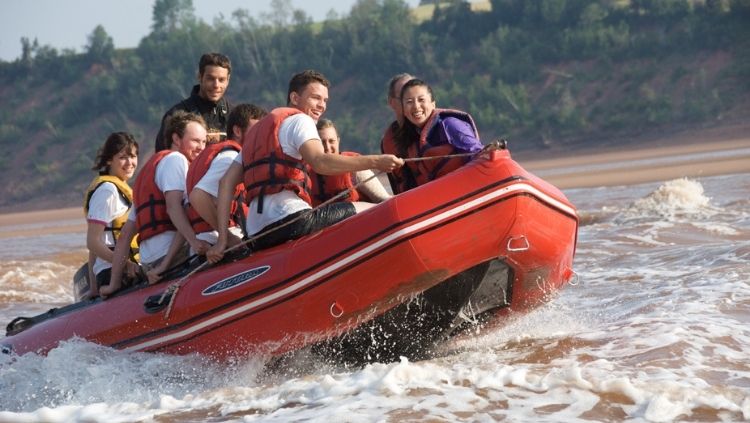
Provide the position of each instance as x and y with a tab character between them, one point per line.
483	241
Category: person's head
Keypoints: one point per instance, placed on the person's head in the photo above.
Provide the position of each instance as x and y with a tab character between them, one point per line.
118	156
308	92
394	94
186	132
417	102
214	70
242	117
329	136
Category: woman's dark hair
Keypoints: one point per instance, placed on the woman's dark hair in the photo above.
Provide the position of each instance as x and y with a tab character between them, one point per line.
407	133
116	142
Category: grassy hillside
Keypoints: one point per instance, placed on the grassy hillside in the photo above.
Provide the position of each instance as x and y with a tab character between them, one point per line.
548	75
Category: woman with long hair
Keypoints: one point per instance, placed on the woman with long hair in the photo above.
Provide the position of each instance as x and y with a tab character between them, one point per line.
107	204
428	131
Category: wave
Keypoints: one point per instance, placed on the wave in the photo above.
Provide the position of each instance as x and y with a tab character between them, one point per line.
35	282
671	201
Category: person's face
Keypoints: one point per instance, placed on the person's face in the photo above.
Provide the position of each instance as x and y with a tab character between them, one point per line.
313	100
330	140
192	143
395	102
213	83
123	164
418	105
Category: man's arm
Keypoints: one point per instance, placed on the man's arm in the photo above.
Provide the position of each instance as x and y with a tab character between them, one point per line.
231	178
205	204
180	221
154	275
335	164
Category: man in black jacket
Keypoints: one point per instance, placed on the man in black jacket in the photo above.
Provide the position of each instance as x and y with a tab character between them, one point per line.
207	98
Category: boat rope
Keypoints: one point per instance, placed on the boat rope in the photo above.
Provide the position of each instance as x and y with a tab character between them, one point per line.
173	288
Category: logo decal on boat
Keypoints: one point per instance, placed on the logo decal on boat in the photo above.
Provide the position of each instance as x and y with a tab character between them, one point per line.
235	280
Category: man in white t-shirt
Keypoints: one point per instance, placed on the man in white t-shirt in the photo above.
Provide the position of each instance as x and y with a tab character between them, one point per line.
157	214
208	170
272	169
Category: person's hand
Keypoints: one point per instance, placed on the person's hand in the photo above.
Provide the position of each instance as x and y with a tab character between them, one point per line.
216	252
154	275
107	290
388	162
200	247
132	269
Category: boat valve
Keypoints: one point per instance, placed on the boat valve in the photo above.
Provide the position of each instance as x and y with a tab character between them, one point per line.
336	310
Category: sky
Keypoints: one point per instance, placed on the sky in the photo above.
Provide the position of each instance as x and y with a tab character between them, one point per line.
68	23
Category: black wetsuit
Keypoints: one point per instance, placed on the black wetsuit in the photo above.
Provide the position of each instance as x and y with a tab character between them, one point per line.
215	114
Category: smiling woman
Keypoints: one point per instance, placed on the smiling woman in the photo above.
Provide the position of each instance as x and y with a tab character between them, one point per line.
430	135
107	203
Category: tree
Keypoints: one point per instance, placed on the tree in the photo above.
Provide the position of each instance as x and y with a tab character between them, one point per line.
100	48
169	15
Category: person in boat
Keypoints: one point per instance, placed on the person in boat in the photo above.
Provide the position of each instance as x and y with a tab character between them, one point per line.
158	216
206	171
202	182
430	132
272	167
107	202
206	99
394	102
325	187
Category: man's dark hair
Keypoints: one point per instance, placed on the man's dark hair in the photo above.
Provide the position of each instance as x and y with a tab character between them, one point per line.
241	114
301	80
214	59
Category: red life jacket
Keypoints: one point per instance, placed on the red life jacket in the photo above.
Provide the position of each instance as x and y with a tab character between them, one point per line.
198	168
267	170
151	217
413	174
325	187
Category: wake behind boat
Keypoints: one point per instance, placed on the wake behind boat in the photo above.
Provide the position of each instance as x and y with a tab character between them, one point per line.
484	241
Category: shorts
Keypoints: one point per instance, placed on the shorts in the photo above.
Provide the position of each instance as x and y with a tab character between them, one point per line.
304	223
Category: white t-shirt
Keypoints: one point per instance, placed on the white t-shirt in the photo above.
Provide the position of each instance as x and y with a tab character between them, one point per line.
219	165
105	205
210	184
294	131
171	173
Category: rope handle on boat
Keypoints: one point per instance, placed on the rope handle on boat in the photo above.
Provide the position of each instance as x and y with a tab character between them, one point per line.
173	288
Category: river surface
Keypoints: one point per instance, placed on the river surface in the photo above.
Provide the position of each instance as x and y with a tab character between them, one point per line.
656	329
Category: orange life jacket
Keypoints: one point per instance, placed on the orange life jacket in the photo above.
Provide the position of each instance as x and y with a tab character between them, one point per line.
197	170
151	217
325	187
413	174
267	170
